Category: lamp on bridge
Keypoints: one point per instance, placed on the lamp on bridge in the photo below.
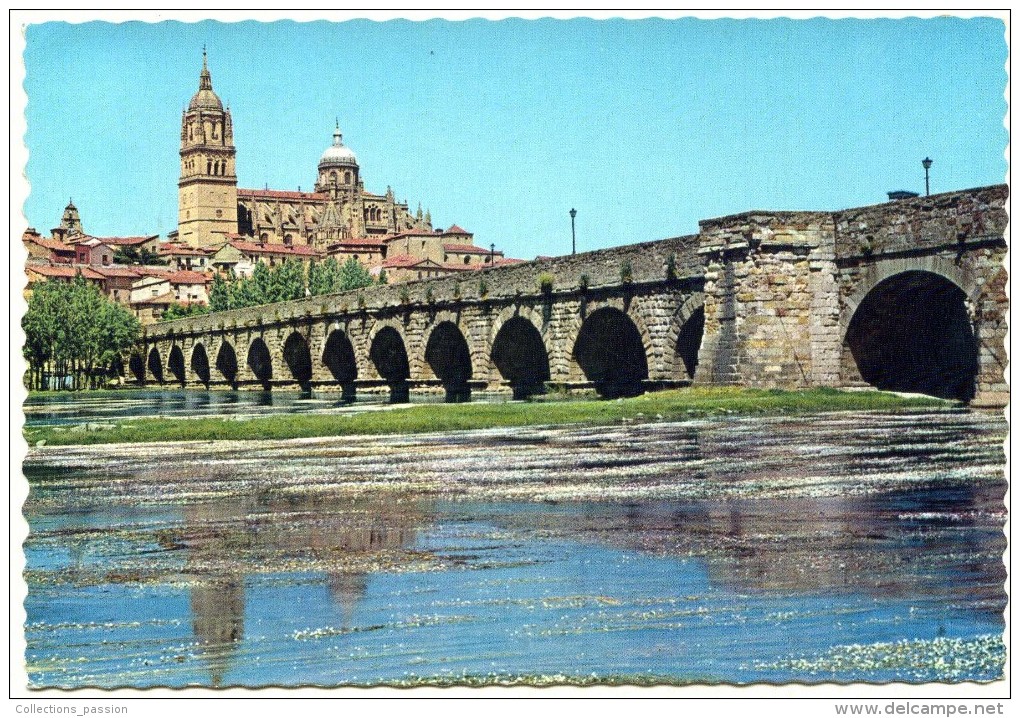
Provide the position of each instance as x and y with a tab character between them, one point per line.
573	235
492	255
927	166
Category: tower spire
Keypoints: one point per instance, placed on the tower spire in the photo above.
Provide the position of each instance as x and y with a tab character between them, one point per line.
338	138
205	79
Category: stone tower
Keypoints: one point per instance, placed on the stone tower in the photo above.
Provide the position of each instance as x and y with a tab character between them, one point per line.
70	222
207	190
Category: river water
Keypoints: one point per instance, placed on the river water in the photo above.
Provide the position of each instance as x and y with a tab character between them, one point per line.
831	548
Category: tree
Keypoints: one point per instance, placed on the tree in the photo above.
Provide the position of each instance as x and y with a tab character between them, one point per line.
383	279
219	295
322	277
352	276
71	329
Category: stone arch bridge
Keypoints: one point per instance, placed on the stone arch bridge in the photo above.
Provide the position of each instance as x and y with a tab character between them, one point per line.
906	295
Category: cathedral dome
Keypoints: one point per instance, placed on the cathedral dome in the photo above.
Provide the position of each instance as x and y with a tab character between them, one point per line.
205	100
338	154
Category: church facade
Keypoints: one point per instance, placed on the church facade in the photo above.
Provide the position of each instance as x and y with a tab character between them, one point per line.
212	210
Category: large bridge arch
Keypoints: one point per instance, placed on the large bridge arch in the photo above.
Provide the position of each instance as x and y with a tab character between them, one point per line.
200	363
612	352
226	363
447	354
876	273
175	363
297	355
913	331
260	362
154	363
339	357
519	352
388	354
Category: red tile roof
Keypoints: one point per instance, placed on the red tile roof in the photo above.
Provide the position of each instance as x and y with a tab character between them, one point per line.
509	260
186	277
115	241
469	249
117	272
300	250
282	194
454	229
51	244
153	272
47	270
181	250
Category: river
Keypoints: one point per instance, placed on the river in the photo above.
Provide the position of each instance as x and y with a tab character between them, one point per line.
831	548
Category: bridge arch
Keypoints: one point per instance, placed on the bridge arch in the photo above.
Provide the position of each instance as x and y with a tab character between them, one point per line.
388	353
298	357
913	332
338	356
260	362
612	353
200	363
136	364
686	330
880	271
226	363
448	355
520	355
175	363
154	363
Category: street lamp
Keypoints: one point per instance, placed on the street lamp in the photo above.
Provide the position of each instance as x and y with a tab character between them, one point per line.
492	255
927	166
573	234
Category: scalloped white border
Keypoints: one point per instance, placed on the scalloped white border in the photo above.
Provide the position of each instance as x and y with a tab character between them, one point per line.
699	700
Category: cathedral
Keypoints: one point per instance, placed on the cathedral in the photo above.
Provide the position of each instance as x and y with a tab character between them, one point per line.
212	210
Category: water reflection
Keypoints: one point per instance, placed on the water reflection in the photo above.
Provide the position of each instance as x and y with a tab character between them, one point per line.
225	540
702	550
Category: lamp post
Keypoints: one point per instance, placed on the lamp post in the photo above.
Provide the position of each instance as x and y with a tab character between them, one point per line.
927	166
573	234
492	255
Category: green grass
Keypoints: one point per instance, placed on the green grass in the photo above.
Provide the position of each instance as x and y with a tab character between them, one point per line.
665	405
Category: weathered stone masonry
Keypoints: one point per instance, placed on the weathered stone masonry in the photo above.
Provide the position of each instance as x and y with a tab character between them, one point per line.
769	299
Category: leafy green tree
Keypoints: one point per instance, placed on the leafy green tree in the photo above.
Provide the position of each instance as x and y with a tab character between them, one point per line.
352	276
322	276
71	329
219	294
383	279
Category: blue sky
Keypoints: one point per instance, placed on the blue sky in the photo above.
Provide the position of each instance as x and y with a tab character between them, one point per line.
645	126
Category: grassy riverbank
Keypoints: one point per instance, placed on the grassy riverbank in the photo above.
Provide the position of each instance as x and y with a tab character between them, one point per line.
659	406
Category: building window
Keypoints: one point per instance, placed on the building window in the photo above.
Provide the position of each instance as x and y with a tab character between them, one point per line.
106	259
263	237
288	239
467	260
219	213
347	177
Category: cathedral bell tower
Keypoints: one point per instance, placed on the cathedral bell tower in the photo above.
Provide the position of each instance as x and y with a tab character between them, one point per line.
207	190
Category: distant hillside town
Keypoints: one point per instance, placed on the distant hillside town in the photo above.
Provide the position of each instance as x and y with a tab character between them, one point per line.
229	231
